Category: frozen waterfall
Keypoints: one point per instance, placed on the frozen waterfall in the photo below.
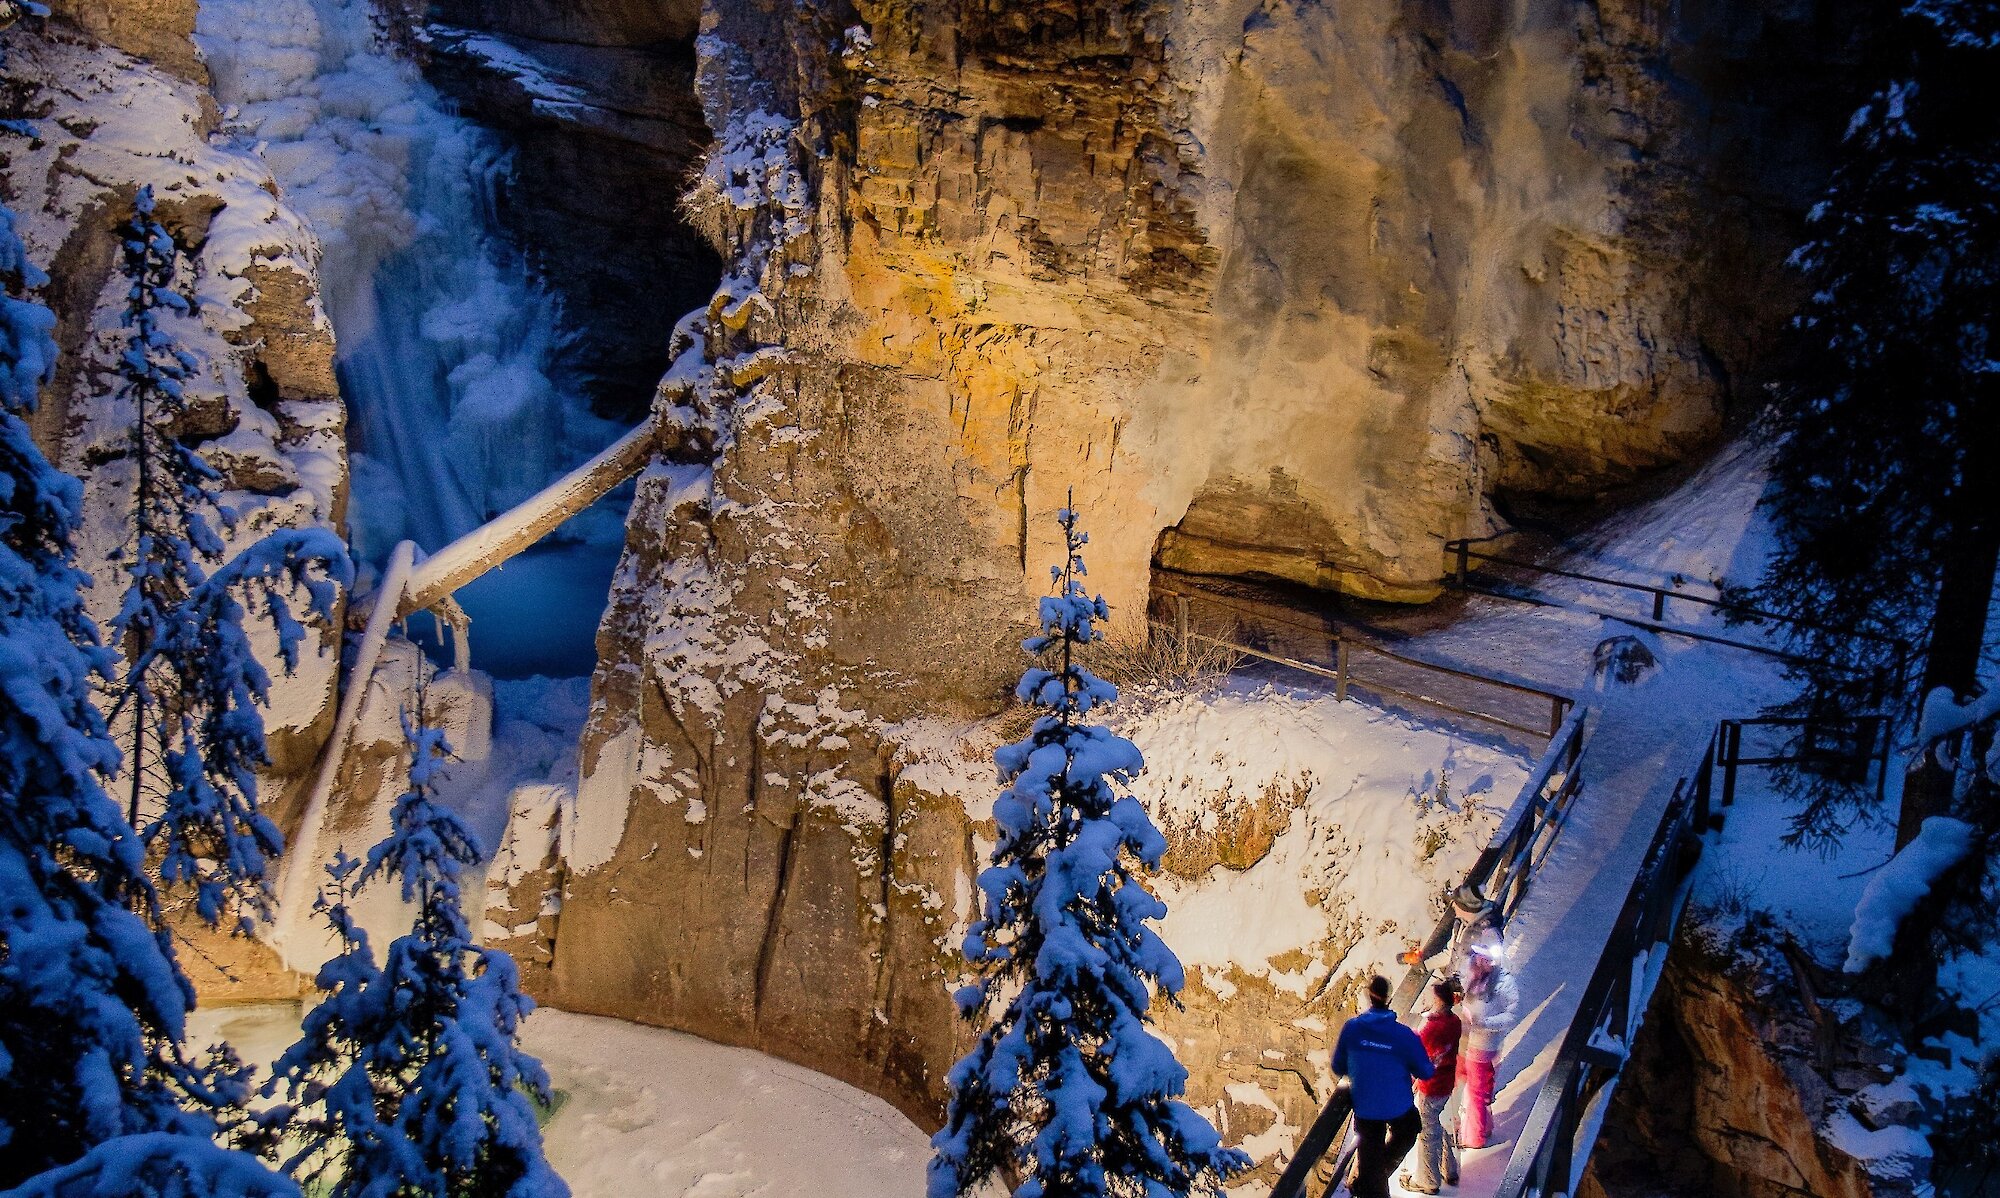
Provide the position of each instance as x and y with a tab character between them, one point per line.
446	345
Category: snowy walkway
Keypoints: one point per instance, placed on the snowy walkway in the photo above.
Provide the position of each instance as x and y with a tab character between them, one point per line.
1640	741
1639	744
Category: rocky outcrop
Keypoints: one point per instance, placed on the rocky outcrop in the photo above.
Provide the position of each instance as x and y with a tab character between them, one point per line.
1747	1082
265	411
1277	289
160	32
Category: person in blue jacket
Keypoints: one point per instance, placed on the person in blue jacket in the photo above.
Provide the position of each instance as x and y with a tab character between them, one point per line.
1381	1058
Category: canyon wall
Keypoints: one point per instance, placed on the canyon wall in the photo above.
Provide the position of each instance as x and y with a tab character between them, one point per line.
597	105
1749	1080
1276	289
1266	288
264	408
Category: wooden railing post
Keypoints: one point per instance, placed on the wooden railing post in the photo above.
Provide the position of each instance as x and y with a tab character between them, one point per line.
1464	560
1181	616
1731	735
1340	669
1659	605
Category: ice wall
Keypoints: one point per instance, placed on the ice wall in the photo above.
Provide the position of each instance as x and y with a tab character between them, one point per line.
446	345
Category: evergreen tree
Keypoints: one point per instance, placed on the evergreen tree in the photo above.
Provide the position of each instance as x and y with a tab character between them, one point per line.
194	685
1884	481
159	1165
1067	1090
408	1081
92	1004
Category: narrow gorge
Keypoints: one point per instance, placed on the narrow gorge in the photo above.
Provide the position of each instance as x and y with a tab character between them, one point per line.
1284	296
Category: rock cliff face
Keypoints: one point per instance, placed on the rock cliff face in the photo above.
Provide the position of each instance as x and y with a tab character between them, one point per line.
1747	1083
597	103
1282	289
1272	288
265	411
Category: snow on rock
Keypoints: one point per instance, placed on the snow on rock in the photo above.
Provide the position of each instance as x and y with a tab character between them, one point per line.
1308	845
511	777
264	407
1324	833
373	771
1897	887
596	824
1887	1151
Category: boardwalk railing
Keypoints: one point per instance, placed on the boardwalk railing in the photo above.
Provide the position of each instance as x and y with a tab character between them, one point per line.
1569	1106
1460	556
1357	663
1848	745
1502	873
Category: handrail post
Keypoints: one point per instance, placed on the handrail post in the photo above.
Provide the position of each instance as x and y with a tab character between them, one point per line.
1181	615
1732	745
1557	1180
1703	784
1884	734
1659	605
1464	560
1340	668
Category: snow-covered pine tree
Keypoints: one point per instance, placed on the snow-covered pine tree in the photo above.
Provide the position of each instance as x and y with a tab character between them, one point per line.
92	1005
1885	488
333	1123
193	684
1067	1092
408	1081
160	1165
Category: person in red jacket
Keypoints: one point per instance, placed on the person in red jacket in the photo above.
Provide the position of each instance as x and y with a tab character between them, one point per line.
1437	1156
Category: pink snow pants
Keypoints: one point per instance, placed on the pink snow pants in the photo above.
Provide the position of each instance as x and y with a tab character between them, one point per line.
1475	1108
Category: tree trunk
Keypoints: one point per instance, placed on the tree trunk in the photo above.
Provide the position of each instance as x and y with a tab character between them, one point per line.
1965	593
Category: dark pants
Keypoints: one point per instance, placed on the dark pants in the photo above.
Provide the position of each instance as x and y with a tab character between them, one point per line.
1384	1144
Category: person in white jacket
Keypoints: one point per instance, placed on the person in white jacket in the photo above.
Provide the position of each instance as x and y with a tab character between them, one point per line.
1487	1012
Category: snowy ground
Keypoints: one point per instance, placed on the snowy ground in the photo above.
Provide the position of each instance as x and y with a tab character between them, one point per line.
1377	813
649	1113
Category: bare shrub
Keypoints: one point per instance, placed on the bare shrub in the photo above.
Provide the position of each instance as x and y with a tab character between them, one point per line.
1166	658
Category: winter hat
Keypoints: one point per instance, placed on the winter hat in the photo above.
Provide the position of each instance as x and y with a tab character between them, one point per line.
1378	990
1469	902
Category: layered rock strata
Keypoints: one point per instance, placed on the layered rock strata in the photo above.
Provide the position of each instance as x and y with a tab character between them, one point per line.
1272	289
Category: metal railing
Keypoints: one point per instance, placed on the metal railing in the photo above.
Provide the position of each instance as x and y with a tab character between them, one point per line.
1600	1034
1362	664
1462	551
1502	873
1461	576
1847	744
